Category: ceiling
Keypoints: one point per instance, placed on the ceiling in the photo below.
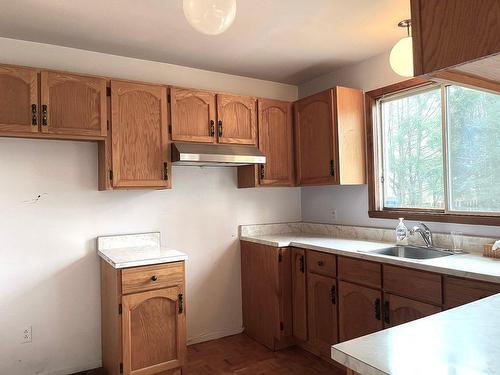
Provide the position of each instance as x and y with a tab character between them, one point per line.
290	41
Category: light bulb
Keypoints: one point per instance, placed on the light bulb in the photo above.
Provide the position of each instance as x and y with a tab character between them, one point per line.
401	57
210	17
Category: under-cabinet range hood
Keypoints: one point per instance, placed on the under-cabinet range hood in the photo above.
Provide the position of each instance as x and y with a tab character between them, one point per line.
215	155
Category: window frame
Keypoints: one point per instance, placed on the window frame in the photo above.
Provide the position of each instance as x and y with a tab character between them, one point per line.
374	168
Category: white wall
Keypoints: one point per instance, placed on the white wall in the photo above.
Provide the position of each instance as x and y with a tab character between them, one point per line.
49	267
351	202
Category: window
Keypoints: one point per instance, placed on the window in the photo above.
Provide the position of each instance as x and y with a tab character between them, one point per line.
436	152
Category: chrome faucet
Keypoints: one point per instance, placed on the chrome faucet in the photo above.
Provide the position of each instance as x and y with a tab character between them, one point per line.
425	232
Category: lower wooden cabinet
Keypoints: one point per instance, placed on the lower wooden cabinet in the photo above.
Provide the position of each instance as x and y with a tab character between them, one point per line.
322	313
266	288
143	332
399	310
360	310
459	291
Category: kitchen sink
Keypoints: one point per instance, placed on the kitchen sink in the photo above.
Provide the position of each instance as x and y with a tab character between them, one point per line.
412	252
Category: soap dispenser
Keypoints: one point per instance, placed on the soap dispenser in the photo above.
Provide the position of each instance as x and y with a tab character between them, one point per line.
401	233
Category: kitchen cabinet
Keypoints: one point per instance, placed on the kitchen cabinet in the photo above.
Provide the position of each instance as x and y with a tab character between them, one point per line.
143	319
193	115
459	291
266	278
360	271
457	40
399	310
73	105
299	294
330	138
275	130
360	310
236	119
18	100
322	313
139	136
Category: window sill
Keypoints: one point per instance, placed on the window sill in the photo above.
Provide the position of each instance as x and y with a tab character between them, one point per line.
436	216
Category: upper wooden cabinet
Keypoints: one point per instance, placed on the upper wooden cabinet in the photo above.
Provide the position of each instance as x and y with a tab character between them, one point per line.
330	138
193	115
139	136
236	119
73	104
459	34
276	143
18	99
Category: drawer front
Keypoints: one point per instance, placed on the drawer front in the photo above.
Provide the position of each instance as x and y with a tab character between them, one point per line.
461	291
417	285
360	271
321	263
139	279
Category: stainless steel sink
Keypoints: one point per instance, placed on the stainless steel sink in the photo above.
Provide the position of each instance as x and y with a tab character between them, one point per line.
412	252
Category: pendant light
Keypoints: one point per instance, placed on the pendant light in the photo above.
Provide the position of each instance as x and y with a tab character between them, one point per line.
401	57
211	17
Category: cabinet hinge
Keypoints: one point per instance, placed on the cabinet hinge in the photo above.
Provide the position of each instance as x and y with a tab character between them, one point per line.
119	308
165	170
169	98
280	257
107	124
281	326
121	368
170	129
111	175
332	168
108	91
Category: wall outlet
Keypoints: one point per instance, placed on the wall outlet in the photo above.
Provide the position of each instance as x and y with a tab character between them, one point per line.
334	214
27	335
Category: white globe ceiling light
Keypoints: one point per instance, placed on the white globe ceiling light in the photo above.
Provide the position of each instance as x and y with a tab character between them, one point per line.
210	17
401	57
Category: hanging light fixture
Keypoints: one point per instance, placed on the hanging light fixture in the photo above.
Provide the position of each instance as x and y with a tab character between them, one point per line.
401	57
210	17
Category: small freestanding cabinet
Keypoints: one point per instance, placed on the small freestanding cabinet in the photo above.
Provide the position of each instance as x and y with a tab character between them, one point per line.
143	307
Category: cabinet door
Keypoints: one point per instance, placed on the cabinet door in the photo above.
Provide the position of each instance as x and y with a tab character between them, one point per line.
73	104
153	329
315	140
237	120
360	310
140	156
275	141
18	100
193	115
299	287
322	313
399	310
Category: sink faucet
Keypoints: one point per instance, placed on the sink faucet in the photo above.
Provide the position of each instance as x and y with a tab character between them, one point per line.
425	232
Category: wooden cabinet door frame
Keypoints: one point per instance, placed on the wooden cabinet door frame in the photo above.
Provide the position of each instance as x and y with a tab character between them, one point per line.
130	302
180	119
285	158
224	120
327	97
299	294
48	78
30	77
160	92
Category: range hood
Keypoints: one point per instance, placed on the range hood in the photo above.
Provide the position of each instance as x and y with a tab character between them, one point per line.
215	155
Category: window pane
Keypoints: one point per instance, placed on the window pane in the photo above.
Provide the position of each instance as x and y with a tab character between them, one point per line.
474	150
413	152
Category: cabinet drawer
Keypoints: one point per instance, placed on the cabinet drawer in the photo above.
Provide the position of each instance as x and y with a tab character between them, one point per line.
138	279
418	285
461	291
360	272
321	263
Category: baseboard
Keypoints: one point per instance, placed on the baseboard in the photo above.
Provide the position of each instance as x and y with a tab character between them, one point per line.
214	335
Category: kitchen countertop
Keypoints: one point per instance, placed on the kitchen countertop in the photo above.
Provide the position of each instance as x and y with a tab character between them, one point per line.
460	341
473	266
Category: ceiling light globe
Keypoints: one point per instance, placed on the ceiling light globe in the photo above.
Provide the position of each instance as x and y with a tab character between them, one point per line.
211	17
401	57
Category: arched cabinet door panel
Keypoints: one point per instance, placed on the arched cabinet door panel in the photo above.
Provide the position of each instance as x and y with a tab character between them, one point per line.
236	119
193	115
399	310
19	100
73	105
153	329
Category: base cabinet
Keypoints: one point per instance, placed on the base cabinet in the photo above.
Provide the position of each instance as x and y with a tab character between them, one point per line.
143	319
299	294
399	310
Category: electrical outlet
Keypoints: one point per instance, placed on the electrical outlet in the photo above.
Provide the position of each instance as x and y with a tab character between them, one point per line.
27	335
334	214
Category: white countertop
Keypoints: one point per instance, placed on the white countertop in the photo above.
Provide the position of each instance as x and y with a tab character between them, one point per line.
472	266
140	256
460	341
